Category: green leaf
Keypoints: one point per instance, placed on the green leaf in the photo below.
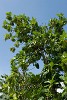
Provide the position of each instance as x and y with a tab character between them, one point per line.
41	98
37	65
16	44
12	49
51	64
7	36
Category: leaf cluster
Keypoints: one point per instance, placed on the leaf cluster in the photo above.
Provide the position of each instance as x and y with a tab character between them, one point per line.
47	43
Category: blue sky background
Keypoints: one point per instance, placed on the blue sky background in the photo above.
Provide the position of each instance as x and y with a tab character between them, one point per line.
42	10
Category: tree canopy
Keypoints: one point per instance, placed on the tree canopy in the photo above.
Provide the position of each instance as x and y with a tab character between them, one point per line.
47	43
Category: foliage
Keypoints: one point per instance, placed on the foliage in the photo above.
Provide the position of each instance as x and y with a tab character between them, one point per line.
46	43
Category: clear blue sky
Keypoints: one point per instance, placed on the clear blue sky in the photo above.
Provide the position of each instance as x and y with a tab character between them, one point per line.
42	10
